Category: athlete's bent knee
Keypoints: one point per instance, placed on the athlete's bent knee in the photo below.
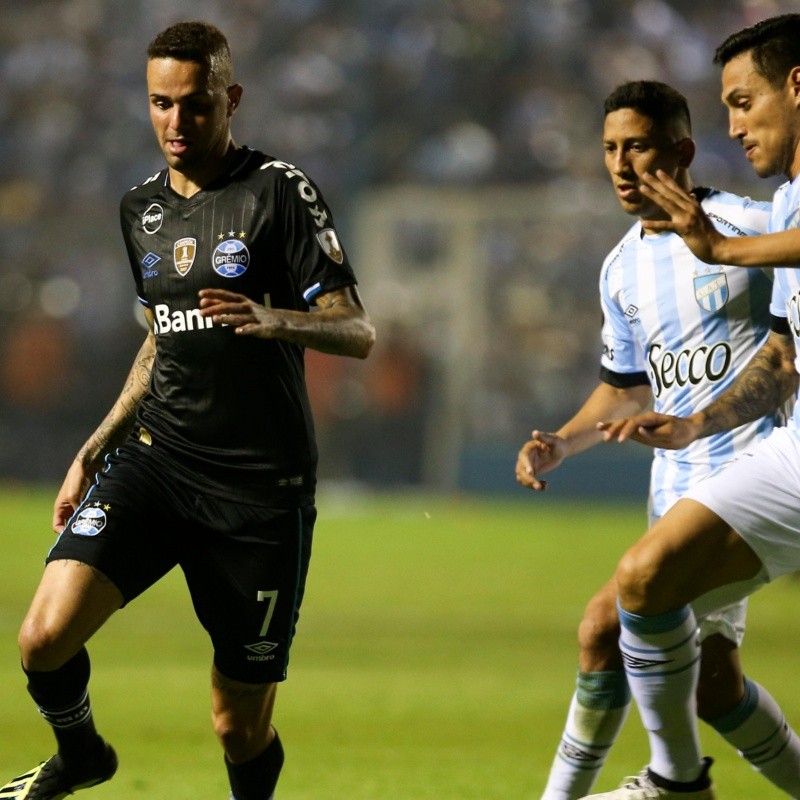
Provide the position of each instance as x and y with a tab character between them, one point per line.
637	581
40	646
241	739
241	714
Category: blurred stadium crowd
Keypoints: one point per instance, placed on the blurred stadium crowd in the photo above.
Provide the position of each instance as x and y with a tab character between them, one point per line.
362	94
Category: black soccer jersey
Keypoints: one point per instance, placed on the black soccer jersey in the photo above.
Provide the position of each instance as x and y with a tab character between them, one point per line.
232	410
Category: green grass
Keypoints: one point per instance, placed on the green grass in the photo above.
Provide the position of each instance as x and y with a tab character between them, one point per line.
435	656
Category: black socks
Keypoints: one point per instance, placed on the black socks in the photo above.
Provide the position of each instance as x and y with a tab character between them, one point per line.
62	698
256	779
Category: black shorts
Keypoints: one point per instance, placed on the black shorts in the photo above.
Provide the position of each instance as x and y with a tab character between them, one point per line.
245	565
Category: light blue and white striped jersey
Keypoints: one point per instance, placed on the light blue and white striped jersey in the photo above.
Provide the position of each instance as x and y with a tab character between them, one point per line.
786	291
688	328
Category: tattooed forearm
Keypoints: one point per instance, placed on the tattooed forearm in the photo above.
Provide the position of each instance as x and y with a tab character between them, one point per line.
768	380
140	374
339	325
117	424
757	394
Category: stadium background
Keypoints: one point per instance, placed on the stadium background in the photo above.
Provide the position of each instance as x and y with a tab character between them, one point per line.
458	144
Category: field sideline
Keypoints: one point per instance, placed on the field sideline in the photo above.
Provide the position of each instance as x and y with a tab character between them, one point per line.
434	660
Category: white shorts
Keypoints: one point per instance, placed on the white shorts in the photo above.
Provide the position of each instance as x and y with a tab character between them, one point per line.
728	620
758	495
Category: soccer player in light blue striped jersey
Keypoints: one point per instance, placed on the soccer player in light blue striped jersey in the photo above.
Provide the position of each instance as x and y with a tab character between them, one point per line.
740	527
676	333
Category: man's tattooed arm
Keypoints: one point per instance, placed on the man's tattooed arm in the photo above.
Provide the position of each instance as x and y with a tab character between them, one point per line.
768	380
117	424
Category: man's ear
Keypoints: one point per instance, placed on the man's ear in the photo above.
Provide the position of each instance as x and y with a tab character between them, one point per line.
794	84
234	97
686	150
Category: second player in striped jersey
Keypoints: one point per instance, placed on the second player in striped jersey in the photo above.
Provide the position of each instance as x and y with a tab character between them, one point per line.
686	329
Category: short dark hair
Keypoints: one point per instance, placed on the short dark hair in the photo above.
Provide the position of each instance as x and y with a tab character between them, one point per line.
666	106
195	41
774	46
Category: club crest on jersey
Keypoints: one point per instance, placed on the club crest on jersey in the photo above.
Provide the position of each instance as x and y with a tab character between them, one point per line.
329	242
90	521
183	253
153	218
230	258
711	291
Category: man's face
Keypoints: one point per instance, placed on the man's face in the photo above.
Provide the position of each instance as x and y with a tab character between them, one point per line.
634	144
764	118
190	113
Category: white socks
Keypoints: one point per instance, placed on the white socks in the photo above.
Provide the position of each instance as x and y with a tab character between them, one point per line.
662	662
759	731
661	656
597	712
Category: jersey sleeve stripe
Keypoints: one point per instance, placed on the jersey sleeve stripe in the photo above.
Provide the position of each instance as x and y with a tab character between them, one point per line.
623	380
312	291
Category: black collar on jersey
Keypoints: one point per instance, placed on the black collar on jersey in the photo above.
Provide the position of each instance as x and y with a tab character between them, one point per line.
239	160
702	192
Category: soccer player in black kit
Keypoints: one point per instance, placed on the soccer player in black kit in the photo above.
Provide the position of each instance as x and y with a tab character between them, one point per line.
207	458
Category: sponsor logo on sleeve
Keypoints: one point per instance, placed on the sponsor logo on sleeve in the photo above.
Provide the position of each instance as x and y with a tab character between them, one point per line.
329	242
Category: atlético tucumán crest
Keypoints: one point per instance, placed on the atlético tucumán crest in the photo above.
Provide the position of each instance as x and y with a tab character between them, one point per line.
711	291
184	252
329	242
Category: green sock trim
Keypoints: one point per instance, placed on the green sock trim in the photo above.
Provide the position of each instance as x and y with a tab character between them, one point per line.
600	690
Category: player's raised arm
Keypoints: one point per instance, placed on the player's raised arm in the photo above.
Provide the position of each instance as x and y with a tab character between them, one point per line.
693	225
340	324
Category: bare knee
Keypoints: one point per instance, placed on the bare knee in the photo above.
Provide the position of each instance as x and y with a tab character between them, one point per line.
598	634
241	715
635	577
40	646
645	583
242	739
71	603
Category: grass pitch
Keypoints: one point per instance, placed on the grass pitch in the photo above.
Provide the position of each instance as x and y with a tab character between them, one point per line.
435	656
